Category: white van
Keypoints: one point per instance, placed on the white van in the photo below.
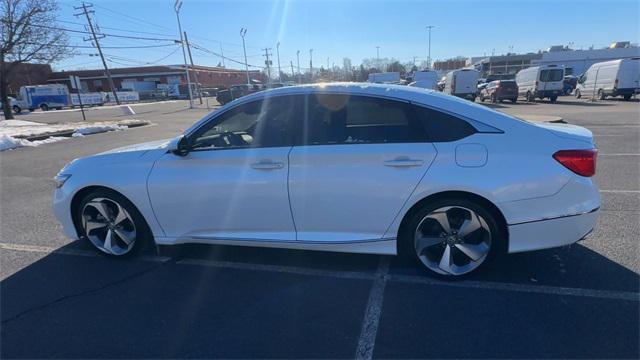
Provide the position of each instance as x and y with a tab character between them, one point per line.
610	78
546	81
462	83
425	80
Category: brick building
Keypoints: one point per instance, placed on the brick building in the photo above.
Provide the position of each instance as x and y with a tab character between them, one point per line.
28	74
149	77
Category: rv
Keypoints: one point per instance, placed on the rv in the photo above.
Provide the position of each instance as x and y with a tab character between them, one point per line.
45	97
462	83
546	81
610	78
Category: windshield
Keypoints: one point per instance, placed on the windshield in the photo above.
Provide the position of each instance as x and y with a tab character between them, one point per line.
551	75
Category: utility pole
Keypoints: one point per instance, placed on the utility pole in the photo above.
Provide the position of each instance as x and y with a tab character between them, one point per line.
279	70
293	75
429	53
311	64
243	32
195	73
298	56
268	63
86	12
378	58
222	53
177	6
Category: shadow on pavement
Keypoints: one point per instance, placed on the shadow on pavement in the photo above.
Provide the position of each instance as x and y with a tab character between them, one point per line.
94	306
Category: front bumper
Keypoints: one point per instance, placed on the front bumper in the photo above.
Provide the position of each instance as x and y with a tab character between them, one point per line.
550	233
62	210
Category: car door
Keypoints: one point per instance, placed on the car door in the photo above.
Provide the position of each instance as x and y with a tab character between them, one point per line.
233	182
358	160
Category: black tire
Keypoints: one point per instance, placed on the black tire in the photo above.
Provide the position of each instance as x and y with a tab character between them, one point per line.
578	94
627	97
143	236
406	242
601	95
553	99
514	100
17	109
44	107
481	98
530	97
494	98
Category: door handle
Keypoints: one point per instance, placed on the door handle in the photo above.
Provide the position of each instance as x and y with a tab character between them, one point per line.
404	162
267	165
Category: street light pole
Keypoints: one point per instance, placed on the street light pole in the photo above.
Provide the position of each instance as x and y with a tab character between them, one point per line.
378	58
311	65
429	55
177	6
279	70
243	32
298	56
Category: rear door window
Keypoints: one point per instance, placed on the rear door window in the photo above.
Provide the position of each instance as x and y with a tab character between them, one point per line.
548	75
346	119
443	127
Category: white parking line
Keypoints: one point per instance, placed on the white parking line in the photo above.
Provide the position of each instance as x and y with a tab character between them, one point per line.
539	289
361	275
371	320
621	191
621	154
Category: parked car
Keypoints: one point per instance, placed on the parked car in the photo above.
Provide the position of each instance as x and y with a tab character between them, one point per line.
462	83
441	83
16	105
235	92
540	82
611	78
499	90
378	169
570	82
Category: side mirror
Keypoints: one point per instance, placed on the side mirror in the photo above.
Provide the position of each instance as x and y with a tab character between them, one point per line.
182	147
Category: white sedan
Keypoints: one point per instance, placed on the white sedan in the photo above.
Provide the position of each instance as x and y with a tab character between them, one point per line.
362	168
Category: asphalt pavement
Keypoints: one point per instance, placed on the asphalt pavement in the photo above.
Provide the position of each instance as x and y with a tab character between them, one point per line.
59	298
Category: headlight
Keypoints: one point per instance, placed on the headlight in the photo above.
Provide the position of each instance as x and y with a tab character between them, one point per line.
60	179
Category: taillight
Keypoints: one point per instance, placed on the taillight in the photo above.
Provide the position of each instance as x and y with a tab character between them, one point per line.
581	162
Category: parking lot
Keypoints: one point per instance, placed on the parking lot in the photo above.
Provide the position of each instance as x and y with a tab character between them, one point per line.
59	298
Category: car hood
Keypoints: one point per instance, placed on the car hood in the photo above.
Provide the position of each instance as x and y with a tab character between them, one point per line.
151	145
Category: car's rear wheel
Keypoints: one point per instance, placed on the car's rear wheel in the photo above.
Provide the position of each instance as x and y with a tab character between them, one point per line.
44	107
530	97
578	94
553	99
112	224
627	97
17	109
452	237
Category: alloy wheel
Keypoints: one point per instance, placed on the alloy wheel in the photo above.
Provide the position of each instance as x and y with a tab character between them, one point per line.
452	240
108	226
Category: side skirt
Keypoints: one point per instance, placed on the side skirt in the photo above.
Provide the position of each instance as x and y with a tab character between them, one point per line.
385	246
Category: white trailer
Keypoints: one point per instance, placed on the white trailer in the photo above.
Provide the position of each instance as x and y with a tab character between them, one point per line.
425	80
384	78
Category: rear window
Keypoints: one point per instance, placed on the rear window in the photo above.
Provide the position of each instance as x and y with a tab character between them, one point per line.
551	75
505	84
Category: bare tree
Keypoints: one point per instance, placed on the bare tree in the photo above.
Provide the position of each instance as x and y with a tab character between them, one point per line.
28	33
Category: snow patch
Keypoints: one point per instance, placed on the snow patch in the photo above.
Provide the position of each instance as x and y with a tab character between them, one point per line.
7	142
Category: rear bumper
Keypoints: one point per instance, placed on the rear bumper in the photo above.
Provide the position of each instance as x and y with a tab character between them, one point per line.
550	233
547	93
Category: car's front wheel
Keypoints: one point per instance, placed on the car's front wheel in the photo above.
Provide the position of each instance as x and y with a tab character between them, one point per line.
452	237
112	224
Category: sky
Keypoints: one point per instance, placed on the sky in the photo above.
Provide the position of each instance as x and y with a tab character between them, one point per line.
348	28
